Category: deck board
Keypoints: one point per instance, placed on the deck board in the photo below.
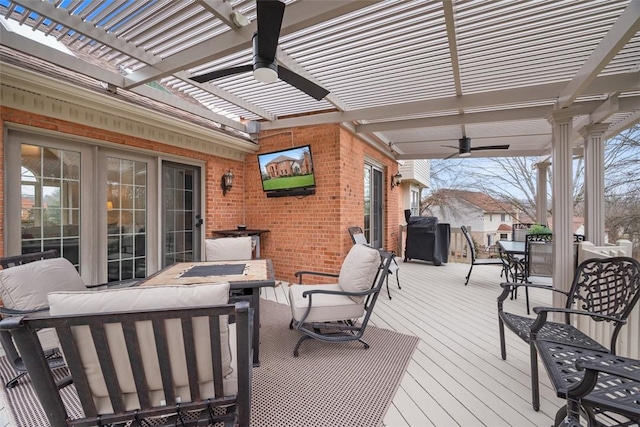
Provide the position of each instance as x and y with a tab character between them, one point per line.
456	375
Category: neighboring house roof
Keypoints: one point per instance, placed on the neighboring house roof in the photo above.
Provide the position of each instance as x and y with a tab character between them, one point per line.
578	222
476	198
505	227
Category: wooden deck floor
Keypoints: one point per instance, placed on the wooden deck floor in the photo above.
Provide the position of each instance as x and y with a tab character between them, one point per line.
456	376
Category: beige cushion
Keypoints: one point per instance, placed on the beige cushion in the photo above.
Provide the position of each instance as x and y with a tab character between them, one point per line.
228	249
326	308
140	299
25	287
359	270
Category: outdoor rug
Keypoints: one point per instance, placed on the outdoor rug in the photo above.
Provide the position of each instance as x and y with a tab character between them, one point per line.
329	384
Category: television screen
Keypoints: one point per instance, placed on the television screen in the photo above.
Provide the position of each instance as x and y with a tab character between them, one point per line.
287	170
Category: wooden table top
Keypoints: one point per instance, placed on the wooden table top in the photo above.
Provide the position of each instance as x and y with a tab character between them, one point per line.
256	273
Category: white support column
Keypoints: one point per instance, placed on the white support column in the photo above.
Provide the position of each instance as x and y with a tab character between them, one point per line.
594	182
541	192
562	201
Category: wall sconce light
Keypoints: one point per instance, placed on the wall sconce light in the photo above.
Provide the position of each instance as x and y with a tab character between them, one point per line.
227	182
396	179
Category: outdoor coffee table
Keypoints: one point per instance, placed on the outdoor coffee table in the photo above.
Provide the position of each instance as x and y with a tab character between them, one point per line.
247	276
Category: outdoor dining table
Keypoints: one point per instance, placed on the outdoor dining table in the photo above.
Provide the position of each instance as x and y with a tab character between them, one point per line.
247	276
512	247
515	250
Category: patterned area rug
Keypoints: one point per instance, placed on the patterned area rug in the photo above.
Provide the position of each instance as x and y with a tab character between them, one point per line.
329	384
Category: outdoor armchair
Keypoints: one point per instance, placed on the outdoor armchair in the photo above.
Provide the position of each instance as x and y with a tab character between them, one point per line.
228	248
602	289
25	281
165	354
358	238
474	259
334	312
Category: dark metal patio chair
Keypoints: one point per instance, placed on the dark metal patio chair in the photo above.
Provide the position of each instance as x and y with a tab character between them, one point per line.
474	260
602	388
145	366
602	289
54	359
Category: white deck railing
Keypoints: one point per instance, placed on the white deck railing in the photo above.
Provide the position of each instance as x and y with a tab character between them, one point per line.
629	339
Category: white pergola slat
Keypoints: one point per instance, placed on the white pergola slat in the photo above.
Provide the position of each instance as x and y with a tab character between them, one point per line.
413	73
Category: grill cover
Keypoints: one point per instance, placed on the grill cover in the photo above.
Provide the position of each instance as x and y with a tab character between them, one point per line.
427	240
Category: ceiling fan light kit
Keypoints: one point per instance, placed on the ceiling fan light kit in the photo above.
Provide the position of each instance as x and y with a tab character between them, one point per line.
264	71
465	146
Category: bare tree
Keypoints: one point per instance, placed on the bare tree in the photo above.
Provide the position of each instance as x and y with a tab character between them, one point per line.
513	180
507	179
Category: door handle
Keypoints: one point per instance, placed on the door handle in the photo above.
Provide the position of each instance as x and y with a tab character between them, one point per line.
198	220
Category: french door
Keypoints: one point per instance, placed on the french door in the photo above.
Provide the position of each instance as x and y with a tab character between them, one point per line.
373	207
96	206
181	218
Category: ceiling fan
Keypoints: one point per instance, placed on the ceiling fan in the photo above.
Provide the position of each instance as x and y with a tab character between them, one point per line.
464	147
265	43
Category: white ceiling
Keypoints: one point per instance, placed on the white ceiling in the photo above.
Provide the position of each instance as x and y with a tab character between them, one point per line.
414	76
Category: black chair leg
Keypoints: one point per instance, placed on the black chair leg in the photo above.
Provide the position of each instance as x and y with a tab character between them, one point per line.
468	275
526	296
535	386
388	292
503	345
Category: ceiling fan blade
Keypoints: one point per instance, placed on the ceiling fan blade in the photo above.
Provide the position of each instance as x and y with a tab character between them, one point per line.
491	147
203	78
270	14
449	146
299	82
450	155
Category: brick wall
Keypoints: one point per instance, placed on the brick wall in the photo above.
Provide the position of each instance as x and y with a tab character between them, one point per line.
308	233
221	212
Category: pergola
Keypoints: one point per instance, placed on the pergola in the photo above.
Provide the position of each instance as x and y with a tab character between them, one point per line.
548	78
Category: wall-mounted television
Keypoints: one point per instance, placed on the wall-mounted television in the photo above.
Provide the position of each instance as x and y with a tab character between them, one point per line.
287	172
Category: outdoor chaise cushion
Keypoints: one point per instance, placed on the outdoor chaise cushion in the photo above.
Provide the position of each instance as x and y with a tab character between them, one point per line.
148	298
228	249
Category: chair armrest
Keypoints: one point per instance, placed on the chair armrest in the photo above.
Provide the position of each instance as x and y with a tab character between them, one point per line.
592	371
618	370
117	284
299	274
507	287
334	292
4	311
542	316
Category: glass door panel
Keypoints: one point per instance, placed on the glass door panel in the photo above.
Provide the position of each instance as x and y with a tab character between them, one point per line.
181	238
50	201
373	205
126	219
